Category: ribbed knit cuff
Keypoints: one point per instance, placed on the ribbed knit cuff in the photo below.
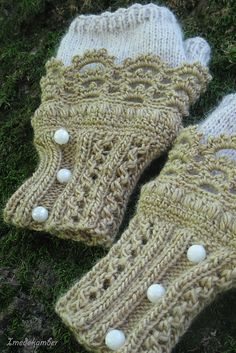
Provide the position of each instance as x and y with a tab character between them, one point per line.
122	20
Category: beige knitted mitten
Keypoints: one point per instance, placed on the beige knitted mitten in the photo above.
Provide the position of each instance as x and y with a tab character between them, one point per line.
177	254
102	120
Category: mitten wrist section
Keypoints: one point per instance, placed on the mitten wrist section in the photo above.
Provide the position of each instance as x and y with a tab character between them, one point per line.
197	186
142	83
102	127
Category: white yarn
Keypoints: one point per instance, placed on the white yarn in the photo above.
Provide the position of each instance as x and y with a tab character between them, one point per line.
140	29
197	49
222	121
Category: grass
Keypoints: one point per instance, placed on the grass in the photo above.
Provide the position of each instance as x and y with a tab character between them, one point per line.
35	268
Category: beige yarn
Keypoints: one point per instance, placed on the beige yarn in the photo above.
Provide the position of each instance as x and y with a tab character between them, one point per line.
119	118
193	201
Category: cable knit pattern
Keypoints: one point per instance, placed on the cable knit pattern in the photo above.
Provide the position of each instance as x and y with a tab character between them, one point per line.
193	201
119	118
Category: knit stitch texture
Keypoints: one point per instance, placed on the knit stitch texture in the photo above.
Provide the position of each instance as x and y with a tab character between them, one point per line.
127	33
222	119
119	118
193	201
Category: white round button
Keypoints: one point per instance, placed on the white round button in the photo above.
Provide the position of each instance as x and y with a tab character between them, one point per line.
40	214
115	339
63	175
155	292
196	253
61	136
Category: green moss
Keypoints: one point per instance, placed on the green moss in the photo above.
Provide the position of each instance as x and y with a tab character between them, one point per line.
35	268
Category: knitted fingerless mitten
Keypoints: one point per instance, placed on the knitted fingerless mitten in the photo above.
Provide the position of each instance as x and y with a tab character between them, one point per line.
99	127
177	254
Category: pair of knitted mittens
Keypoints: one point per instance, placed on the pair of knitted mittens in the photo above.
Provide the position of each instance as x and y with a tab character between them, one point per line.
177	254
112	101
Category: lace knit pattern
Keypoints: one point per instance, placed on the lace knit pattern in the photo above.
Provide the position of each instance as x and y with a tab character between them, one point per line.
193	201
119	118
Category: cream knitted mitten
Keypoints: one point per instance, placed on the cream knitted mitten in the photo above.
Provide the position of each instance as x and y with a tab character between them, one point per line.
126	33
177	254
98	127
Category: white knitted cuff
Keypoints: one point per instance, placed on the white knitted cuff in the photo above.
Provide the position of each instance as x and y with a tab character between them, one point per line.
123	19
222	121
140	29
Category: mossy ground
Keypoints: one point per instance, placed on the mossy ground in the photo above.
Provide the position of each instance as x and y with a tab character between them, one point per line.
36	267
